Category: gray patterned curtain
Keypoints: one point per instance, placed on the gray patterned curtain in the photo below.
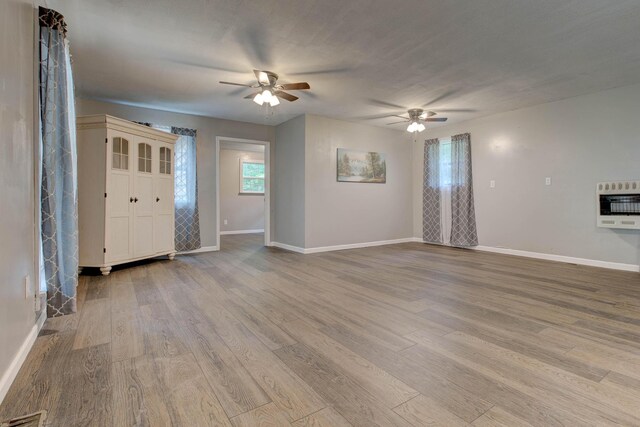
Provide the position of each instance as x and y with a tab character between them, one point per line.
58	191
186	191
463	217
431	226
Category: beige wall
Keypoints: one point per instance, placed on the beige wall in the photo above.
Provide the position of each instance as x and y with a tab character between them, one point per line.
242	211
17	122
577	142
208	128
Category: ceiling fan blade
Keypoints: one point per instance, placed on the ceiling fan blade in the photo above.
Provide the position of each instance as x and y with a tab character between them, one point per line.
261	76
395	123
251	96
296	86
435	119
234	84
285	95
395	115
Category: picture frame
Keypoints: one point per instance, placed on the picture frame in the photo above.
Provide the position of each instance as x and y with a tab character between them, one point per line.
368	167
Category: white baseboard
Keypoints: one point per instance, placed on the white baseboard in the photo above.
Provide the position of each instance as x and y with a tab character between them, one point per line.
552	257
200	250
12	371
561	258
341	247
288	247
224	233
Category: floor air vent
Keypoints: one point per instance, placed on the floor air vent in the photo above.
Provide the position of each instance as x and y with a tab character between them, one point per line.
31	420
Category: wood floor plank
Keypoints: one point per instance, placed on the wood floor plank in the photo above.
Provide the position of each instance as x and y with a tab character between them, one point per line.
237	391
285	389
94	327
138	394
189	397
422	411
384	387
88	378
406	334
38	384
359	407
268	415
498	417
127	336
327	417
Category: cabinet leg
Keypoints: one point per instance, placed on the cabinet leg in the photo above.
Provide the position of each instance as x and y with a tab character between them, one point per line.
172	255
105	270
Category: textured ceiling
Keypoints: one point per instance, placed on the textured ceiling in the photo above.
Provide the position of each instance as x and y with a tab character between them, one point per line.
363	59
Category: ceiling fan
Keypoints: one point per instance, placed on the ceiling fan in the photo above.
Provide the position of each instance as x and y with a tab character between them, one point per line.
416	118
269	90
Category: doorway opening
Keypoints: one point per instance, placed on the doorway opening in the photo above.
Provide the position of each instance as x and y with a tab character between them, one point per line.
242	192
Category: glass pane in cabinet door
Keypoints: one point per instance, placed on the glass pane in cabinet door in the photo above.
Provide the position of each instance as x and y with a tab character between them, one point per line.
148	169
161	154
116	161
117	143
141	151
141	165
168	168
124	161
161	166
125	147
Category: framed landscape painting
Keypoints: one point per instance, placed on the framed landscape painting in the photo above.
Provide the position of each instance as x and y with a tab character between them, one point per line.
361	166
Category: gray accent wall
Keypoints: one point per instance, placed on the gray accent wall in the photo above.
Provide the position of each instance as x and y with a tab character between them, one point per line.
289	183
208	129
242	211
314	210
340	213
17	143
577	142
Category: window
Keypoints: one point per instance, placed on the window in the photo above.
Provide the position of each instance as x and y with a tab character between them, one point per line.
144	158
251	176
120	159
445	163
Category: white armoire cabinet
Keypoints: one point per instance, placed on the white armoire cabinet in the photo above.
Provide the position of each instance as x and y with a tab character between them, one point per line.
125	192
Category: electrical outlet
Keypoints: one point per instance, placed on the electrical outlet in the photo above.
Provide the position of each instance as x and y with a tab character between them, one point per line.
226	222
27	287
492	184
547	181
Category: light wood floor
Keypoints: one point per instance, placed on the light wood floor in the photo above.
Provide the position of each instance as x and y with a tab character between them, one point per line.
398	335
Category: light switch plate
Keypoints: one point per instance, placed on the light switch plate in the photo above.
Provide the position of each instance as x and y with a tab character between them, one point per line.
492	184
547	181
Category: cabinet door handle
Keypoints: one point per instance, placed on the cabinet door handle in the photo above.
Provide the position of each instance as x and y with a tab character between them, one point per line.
135	200
157	199
130	199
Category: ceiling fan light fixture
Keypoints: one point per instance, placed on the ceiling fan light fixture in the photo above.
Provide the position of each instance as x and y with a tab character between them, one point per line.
258	99
266	95
413	126
274	101
420	127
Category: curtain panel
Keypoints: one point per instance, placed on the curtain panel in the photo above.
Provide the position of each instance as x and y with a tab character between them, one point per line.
463	217
58	189
187	223
431	221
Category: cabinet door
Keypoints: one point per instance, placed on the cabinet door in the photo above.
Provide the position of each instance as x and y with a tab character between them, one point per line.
143	230
164	200
119	207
